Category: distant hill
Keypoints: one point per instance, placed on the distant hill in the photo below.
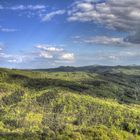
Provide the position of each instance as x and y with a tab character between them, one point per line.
93	68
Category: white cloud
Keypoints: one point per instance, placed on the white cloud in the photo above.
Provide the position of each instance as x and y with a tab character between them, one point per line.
2	29
10	58
19	7
119	56
85	6
123	56
45	54
26	7
50	48
16	60
7	30
50	15
34	10
76	37
26	10
121	16
67	56
48	51
53	49
36	7
105	40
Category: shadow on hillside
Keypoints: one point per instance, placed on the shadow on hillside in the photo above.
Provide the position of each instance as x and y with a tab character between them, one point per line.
43	83
119	86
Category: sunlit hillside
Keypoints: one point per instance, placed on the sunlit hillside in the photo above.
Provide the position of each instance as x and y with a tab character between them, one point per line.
88	103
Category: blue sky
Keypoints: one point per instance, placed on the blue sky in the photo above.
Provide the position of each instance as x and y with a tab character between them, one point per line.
52	33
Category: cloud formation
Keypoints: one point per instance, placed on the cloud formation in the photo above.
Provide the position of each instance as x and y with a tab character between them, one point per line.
34	10
114	56
15	59
50	15
55	52
4	57
42	55
105	40
25	7
10	58
102	40
119	56
26	10
121	15
67	56
3	29
50	47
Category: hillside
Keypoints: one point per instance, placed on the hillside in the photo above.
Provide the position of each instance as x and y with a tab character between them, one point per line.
67	103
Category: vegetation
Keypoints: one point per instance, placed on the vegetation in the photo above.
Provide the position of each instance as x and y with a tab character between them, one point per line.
88	103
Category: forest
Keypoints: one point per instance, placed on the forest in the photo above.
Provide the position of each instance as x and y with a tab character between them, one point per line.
70	103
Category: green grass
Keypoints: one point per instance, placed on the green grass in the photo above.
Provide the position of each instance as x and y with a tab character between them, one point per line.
78	105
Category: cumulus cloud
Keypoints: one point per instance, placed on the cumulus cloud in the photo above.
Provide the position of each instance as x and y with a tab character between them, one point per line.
67	56
45	54
85	6
121	16
54	52
50	15
42	55
50	47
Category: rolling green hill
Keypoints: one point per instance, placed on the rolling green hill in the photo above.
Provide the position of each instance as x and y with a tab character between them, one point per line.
67	103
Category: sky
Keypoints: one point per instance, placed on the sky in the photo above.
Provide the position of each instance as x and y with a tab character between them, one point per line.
52	33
